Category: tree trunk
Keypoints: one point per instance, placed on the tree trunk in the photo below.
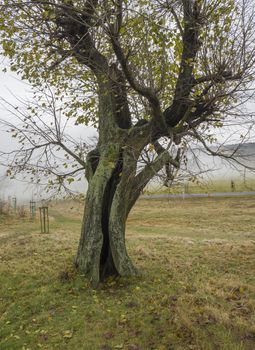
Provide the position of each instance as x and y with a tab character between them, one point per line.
102	250
114	186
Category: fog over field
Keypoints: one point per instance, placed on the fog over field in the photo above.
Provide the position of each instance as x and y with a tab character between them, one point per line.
221	168
207	167
199	162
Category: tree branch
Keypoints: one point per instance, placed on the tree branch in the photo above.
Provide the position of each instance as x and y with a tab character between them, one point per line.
191	44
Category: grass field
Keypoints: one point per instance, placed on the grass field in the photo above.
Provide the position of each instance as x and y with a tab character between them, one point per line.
206	186
196	289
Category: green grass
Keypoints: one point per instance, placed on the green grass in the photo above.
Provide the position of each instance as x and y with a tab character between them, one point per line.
196	289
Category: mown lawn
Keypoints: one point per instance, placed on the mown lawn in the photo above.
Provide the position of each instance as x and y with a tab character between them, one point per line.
205	186
196	289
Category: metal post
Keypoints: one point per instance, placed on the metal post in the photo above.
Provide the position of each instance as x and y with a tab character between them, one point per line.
32	210
44	219
40	209
14	203
44	226
47	216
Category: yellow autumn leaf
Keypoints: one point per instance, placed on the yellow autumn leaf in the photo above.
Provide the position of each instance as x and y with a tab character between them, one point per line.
68	334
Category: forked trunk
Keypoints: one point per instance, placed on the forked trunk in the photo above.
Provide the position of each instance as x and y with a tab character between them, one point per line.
102	250
114	185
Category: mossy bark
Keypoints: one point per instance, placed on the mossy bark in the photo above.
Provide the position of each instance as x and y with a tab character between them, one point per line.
92	236
114	187
102	249
114	184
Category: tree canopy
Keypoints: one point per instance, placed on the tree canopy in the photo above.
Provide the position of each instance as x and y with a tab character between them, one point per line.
199	52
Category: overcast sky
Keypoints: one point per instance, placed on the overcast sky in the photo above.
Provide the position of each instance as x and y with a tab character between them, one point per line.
11	89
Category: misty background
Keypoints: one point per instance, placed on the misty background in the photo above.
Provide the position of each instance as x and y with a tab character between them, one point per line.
211	168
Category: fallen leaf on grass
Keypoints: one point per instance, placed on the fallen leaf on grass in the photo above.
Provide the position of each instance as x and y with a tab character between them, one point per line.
67	334
133	347
108	335
132	304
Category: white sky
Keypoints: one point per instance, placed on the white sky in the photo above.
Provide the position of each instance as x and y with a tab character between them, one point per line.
12	87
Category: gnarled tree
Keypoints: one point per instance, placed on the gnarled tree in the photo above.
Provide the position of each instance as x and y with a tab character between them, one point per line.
158	70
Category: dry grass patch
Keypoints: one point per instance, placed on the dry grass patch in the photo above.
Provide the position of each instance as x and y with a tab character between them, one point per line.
196	289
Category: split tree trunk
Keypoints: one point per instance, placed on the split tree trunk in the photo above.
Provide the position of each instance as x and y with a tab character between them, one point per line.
114	185
102	250
113	189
